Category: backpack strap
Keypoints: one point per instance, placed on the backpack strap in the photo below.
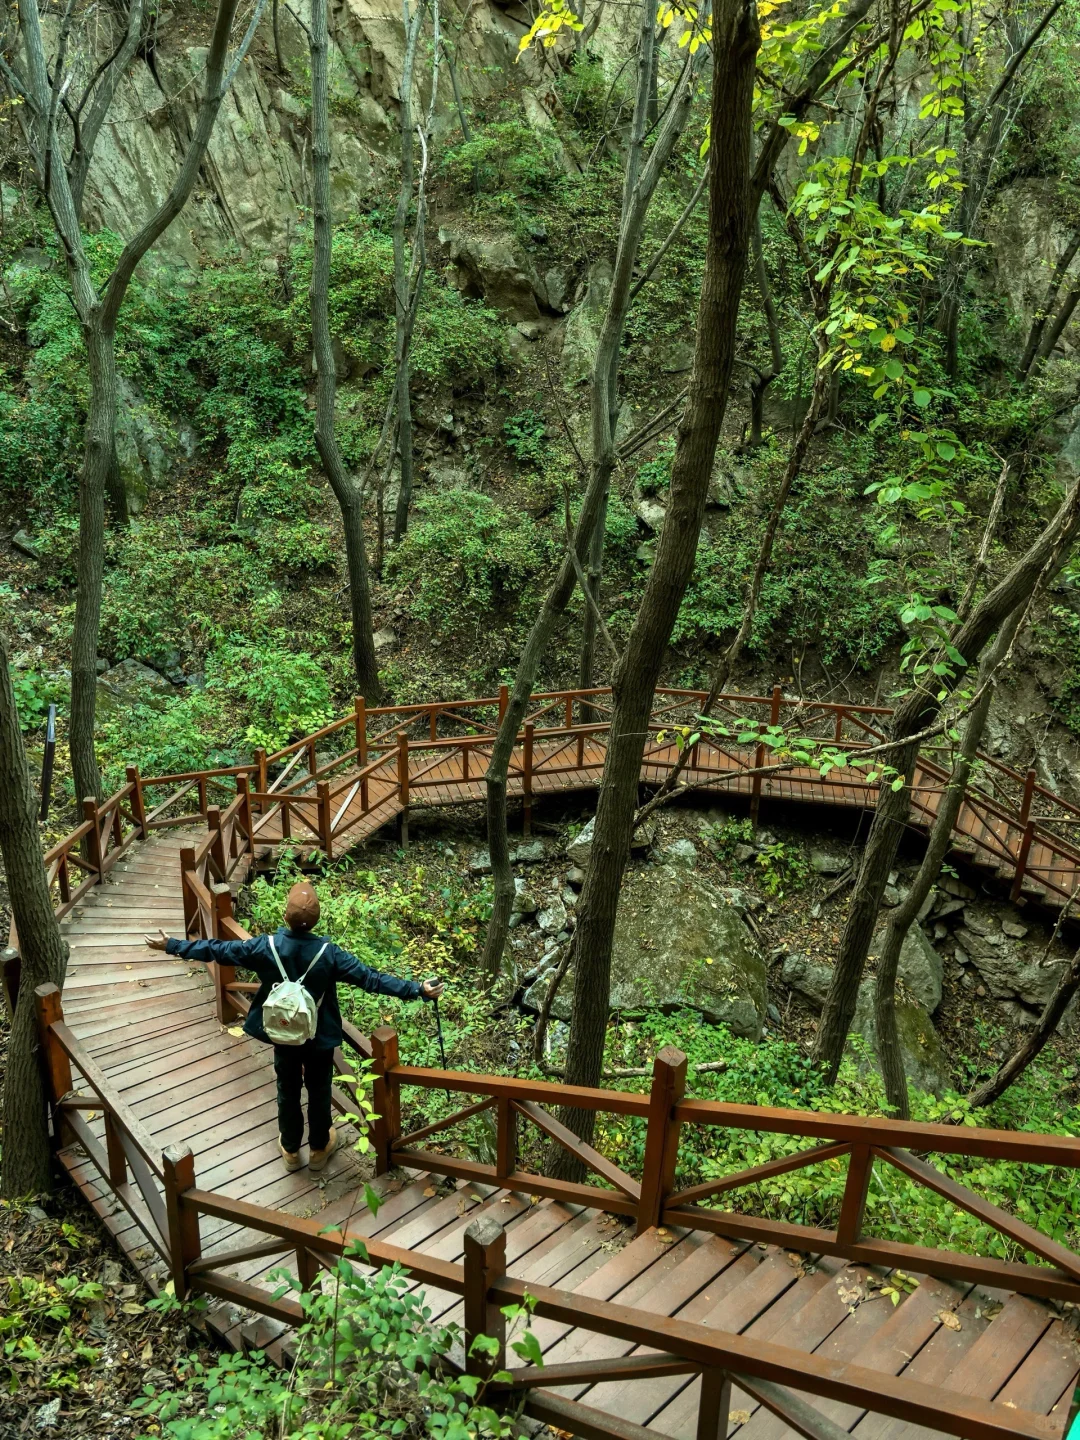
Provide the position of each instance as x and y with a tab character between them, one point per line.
277	958
307	972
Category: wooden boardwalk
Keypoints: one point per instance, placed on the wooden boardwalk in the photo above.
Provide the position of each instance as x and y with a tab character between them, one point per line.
175	1137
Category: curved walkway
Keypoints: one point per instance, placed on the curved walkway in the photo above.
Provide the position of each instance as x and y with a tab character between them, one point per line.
154	1036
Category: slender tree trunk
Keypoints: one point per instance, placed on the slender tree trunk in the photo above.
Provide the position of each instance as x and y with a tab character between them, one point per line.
1042	314
1048	1022
639	185
98	308
918	710
762	379
906	913
342	483
734	48
25	1165
1056	328
402	294
99	451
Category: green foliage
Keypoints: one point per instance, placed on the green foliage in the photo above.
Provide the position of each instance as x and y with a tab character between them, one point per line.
464	559
370	1367
506	155
458	342
777	1073
654	476
526	436
34	693
43	1319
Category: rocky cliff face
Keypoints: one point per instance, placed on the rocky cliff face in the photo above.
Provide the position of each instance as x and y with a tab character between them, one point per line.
257	175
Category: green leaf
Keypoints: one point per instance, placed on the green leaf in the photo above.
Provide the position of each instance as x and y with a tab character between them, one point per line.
894	369
922	398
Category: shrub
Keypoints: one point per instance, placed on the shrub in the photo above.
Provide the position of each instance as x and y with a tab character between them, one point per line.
506	155
458	342
525	435
464	557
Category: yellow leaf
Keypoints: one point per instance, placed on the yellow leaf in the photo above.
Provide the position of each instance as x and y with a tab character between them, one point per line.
738	1417
235	1030
889	342
949	1320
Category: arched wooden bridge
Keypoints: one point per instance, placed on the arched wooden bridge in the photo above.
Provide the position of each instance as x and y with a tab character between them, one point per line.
659	1312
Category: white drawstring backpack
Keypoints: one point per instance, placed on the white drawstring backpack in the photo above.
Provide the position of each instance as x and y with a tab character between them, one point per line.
290	1015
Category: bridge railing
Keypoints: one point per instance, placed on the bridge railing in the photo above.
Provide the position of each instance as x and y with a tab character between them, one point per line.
159	1191
654	1200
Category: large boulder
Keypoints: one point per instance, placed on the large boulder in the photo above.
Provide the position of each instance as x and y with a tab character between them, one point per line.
148	446
678	944
580	847
1010	968
925	1062
582	333
132	683
492	270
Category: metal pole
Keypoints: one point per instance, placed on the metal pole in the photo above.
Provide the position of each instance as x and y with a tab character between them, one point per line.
47	763
438	1029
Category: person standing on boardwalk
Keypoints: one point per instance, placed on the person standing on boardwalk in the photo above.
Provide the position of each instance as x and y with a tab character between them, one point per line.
305	969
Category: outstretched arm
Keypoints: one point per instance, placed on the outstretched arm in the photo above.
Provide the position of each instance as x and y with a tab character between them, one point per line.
225	952
354	972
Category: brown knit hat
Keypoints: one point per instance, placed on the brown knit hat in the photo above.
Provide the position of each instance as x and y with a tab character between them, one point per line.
302	907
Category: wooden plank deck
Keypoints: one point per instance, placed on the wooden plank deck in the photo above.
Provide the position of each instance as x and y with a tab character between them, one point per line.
151	1027
149	1024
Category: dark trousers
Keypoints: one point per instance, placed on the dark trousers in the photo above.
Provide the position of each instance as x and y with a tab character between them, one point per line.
303	1067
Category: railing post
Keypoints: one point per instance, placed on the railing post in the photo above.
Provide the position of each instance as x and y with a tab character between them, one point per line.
1022	860
403	783
11	969
1029	791
191	905
526	777
178	1169
838	733
49	1011
485	1262
312	759
326	818
714	1406
361	731
504	701
307	1268
93	840
262	777
217	840
222	974
243	789
115	1152
385	1097
434	725
506	1138
662	1136
202	794
138	800
860	1168
759	756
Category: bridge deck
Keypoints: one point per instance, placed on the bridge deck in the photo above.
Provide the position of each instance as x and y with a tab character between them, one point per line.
149	1024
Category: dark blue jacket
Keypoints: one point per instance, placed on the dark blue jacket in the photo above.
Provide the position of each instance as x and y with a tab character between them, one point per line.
297	953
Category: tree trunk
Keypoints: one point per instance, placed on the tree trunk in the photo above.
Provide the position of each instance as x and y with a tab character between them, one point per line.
734	49
1042	315
402	295
906	913
639	184
24	1165
1048	1022
913	714
341	482
99	451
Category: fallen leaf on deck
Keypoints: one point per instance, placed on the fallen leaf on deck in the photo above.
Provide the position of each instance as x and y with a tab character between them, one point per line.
852	1295
235	1030
949	1320
738	1417
461	1205
429	1191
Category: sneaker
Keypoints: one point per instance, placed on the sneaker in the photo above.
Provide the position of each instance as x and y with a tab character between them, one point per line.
318	1158
291	1157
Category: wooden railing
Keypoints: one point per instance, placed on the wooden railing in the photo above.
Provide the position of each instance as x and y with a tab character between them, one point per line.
163	1199
391	758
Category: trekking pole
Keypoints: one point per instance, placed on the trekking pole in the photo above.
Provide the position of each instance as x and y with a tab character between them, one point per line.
438	1029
